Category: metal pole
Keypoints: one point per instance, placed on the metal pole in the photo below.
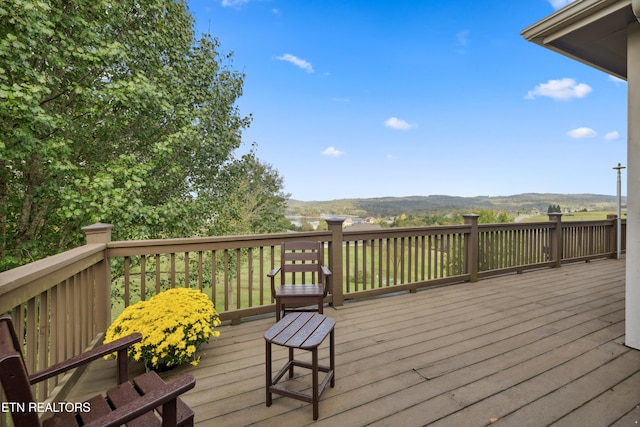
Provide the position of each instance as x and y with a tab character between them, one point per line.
619	214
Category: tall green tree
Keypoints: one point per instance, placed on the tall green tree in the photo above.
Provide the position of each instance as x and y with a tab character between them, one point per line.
112	111
255	203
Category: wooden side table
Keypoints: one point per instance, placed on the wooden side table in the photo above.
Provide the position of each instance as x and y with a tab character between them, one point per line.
305	331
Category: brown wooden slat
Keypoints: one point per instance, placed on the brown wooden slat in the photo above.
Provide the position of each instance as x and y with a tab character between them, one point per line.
302	245
304	333
290	329
312	290
99	407
276	329
125	393
319	333
300	256
151	381
300	268
63	419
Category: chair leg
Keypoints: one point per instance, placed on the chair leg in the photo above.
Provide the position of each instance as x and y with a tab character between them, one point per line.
268	373
290	362
332	357
314	381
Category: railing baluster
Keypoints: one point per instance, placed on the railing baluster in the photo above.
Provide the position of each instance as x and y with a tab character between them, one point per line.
238	277
143	277
402	261
347	264
126	281
377	262
416	258
373	257
44	339
186	270
261	275
172	270
200	271
250	275
271	267
226	279
84	306
357	266
72	306
214	282
31	343
55	339
158	274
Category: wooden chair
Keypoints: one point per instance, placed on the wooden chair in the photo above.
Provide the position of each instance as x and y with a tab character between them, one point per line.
305	259
128	403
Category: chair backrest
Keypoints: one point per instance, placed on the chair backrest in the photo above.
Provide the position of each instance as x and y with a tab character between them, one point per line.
298	258
15	378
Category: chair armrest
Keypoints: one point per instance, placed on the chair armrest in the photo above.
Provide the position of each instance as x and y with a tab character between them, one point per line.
273	272
327	277
325	271
148	402
120	345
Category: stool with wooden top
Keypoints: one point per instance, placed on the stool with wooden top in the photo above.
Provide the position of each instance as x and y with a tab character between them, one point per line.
305	331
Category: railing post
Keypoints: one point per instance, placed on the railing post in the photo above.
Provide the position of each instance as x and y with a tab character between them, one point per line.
335	261
471	245
101	234
556	239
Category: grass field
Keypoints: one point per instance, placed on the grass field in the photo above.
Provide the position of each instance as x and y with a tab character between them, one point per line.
575	216
247	287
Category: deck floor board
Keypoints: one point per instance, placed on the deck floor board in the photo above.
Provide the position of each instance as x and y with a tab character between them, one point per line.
541	348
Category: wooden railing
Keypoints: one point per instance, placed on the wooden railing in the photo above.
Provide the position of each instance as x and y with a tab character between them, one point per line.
59	305
392	260
64	303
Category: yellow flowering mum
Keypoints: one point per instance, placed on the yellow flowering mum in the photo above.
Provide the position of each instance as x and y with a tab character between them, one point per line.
173	324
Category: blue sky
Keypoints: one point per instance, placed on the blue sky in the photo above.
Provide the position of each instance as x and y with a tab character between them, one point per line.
355	99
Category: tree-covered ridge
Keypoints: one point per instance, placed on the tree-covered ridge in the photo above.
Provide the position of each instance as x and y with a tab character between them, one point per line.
442	205
116	112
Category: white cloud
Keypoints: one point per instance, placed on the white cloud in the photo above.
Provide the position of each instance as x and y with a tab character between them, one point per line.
232	3
562	89
398	124
558	4
580	133
332	152
301	63
463	37
612	136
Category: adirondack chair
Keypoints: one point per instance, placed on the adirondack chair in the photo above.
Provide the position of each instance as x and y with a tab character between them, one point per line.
133	404
306	258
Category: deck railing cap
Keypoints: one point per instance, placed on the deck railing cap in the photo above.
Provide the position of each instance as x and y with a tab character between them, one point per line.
98	233
335	219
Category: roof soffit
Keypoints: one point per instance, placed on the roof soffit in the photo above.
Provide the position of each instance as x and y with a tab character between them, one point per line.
590	31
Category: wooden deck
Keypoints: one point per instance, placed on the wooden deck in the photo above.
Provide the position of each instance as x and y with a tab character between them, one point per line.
536	349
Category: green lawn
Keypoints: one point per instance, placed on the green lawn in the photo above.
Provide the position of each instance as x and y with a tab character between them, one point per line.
575	216
360	259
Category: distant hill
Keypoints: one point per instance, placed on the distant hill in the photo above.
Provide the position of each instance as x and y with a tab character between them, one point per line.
438	204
